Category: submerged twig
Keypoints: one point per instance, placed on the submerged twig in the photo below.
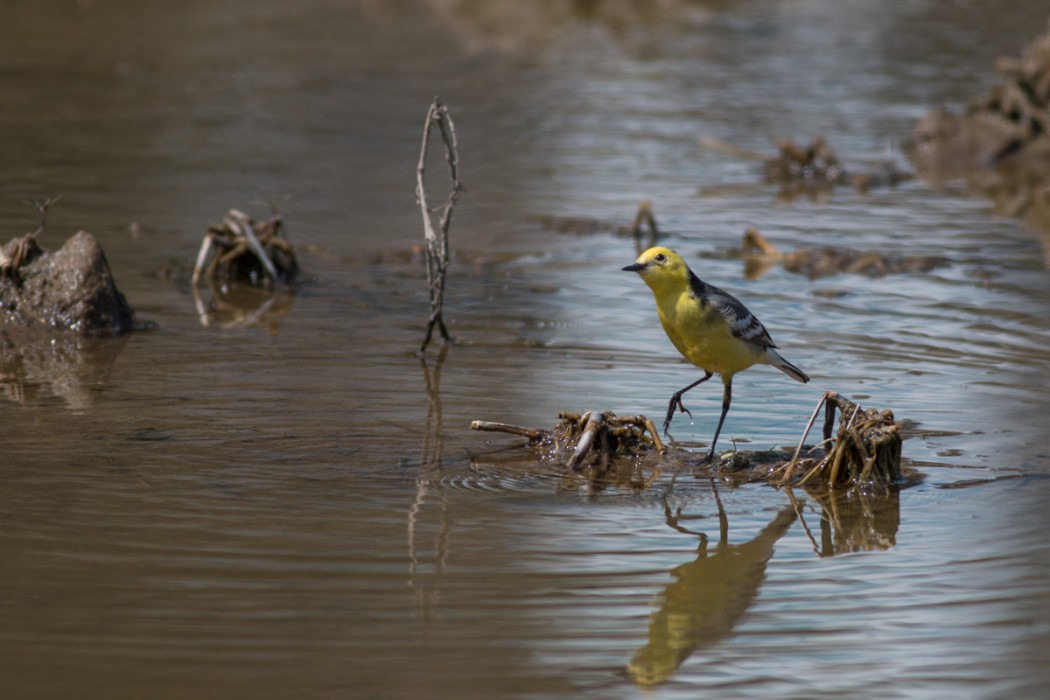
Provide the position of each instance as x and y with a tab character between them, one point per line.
437	252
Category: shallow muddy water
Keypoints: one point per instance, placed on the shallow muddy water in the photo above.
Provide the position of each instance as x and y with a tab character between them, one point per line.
295	507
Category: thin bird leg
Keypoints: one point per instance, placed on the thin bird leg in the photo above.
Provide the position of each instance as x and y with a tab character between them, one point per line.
727	398
676	401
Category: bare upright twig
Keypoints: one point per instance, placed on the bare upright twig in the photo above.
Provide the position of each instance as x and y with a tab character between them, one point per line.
437	243
644	217
43	208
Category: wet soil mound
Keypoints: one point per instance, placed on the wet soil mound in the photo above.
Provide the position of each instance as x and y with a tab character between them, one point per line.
1001	143
71	288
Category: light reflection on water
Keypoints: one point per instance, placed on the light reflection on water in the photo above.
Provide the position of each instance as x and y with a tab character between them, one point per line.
299	509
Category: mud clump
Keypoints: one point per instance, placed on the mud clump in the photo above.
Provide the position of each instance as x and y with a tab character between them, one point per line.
70	289
759	255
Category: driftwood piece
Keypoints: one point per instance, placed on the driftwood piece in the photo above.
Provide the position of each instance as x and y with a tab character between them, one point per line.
532	434
437	250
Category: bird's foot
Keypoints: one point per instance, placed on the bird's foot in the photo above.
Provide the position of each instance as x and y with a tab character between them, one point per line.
676	403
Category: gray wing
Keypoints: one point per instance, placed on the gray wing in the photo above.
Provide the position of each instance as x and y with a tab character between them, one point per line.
742	323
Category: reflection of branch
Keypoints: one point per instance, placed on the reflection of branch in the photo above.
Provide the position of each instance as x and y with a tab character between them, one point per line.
852	519
434	433
707	598
797	505
433	446
242	308
437	247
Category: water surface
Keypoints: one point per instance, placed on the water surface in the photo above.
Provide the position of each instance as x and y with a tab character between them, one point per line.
296	508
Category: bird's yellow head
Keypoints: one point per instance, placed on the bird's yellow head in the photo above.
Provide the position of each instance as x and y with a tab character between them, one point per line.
661	268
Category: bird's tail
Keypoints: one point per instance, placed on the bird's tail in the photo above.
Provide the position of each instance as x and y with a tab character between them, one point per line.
774	358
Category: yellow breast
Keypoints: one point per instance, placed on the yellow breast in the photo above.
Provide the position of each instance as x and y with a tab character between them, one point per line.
703	336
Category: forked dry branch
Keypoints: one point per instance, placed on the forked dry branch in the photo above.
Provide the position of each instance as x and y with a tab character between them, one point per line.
437	251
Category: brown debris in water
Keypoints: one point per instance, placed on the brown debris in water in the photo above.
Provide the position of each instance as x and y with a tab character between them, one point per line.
591	439
865	451
1000	144
812	170
243	251
643	229
1010	123
759	255
17	253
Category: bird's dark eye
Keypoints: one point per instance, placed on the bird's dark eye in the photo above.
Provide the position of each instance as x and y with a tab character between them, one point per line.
660	257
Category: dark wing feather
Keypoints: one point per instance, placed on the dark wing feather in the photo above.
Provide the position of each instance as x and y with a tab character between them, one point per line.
742	323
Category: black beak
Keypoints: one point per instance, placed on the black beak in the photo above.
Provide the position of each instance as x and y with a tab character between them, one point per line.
636	267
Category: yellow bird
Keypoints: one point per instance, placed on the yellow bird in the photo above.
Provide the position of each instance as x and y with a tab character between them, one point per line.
710	327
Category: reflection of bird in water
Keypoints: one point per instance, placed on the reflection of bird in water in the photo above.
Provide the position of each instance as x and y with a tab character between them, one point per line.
707	598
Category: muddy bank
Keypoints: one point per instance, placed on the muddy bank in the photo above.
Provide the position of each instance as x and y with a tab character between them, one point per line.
1000	143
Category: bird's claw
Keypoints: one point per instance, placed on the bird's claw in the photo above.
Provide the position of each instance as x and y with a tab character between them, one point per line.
683	409
676	403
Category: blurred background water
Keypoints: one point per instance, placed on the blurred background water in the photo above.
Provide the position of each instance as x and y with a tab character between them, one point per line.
297	509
